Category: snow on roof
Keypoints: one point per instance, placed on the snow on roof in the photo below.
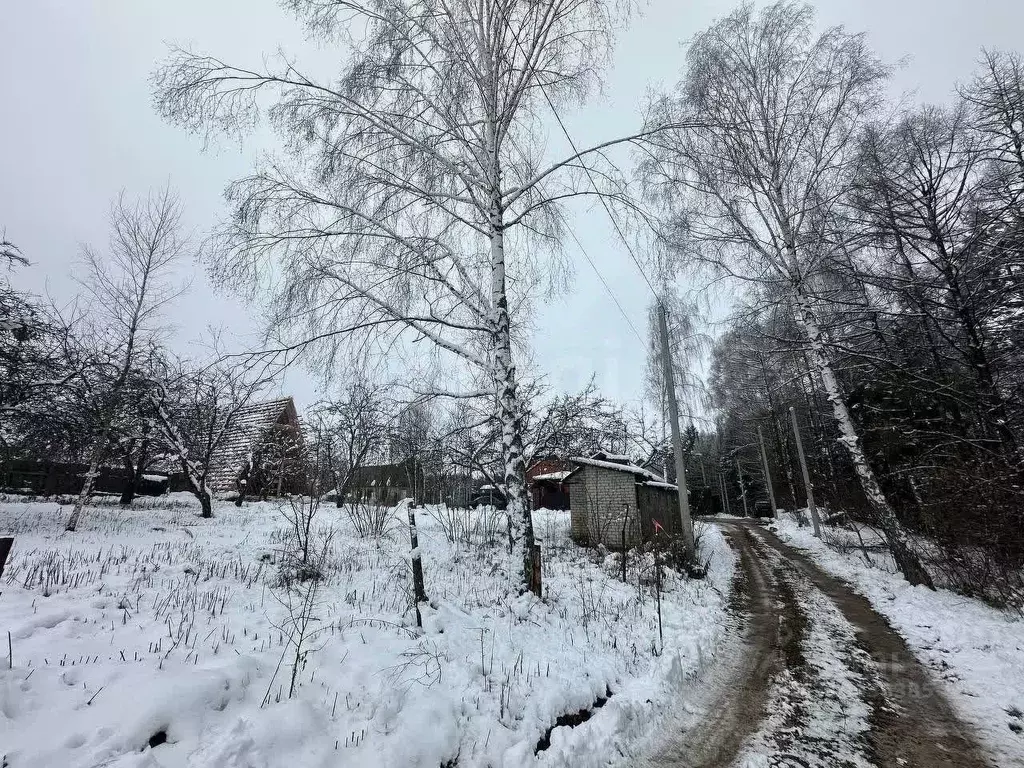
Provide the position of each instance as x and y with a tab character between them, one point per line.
555	476
249	426
631	468
658	484
616	457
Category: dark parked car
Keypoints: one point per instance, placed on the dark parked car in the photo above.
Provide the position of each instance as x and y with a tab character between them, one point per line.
488	497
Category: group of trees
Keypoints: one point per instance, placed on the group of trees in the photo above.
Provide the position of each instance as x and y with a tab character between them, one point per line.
417	205
93	382
448	449
879	255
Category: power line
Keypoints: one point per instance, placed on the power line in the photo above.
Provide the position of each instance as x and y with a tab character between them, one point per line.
600	197
606	286
586	168
590	261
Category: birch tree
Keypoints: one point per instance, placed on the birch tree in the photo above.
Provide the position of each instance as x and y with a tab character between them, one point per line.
416	197
689	344
765	177
129	284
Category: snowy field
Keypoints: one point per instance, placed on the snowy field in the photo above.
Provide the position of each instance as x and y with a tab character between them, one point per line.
975	650
156	627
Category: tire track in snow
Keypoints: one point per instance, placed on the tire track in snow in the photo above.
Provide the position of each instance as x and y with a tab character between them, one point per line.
812	676
731	695
912	723
818	713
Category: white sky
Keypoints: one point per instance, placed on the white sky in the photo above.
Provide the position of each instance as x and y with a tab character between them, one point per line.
77	125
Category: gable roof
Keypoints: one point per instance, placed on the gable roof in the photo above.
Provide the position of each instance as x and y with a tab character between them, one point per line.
249	427
601	460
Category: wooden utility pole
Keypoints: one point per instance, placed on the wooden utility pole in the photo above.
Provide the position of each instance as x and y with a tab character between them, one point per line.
686	524
807	477
743	488
6	542
767	472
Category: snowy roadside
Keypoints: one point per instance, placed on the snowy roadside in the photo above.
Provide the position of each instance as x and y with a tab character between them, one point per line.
153	625
976	651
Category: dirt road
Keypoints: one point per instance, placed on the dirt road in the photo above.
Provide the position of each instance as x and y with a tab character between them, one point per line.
813	676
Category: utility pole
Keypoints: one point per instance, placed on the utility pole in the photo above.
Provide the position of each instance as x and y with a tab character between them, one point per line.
807	477
767	472
677	441
743	488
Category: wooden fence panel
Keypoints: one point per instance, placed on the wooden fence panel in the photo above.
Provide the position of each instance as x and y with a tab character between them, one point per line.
661	504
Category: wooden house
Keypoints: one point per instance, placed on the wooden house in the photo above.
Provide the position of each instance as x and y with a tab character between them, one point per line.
261	453
386	484
614	502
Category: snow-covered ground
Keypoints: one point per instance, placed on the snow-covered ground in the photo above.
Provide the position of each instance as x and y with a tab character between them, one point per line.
976	651
154	624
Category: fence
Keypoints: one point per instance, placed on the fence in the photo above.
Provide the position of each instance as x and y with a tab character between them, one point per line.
46	478
656	503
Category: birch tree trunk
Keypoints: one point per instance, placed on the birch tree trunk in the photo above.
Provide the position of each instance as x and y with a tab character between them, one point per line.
88	483
896	536
416	161
520	519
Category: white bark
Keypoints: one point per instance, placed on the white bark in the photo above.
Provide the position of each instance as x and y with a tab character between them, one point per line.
87	484
770	170
895	533
413	167
520	519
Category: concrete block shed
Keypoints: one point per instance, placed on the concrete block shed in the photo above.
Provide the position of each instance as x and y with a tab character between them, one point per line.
609	495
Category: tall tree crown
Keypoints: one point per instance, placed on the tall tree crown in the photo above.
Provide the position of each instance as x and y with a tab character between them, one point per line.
378	214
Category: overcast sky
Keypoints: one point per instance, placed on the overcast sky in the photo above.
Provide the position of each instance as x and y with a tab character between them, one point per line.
77	126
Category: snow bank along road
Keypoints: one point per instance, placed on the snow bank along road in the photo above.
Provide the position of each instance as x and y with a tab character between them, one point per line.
815	677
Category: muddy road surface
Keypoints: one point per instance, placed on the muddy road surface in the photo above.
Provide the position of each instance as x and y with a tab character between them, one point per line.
812	677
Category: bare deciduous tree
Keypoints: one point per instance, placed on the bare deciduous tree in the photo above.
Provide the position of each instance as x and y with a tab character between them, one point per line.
689	345
765	177
10	253
418	198
129	286
195	409
348	431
